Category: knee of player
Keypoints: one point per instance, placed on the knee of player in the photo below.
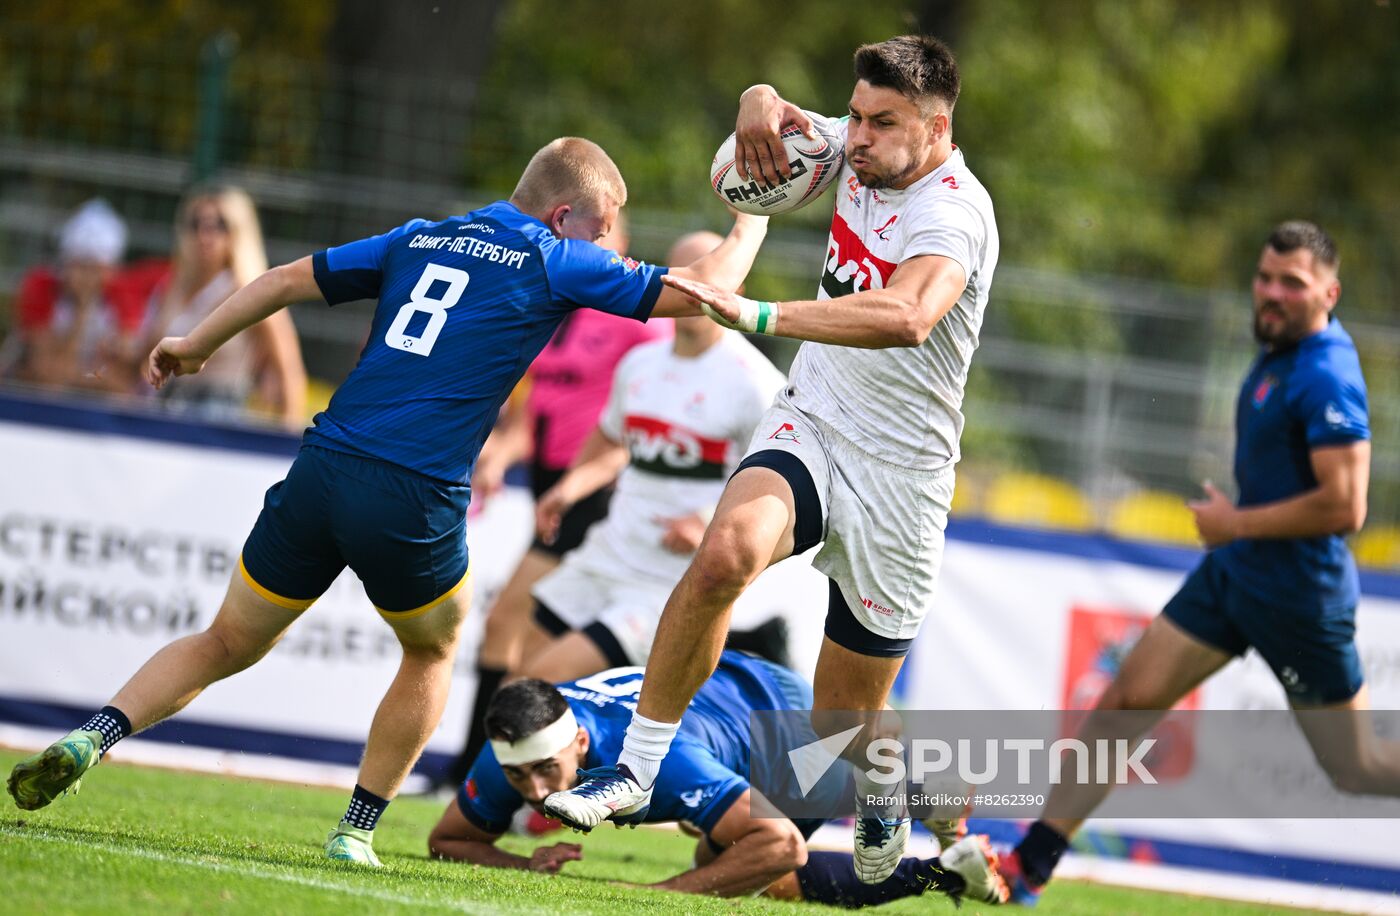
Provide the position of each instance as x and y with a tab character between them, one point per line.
728	561
436	849
498	627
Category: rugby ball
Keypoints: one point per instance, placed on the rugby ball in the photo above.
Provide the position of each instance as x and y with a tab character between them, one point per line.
815	165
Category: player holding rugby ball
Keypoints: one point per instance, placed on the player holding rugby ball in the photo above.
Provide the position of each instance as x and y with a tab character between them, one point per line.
858	451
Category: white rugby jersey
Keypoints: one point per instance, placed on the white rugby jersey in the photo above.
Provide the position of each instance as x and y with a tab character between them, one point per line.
686	422
901	404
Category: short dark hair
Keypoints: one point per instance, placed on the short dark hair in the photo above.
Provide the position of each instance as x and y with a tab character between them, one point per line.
520	709
1298	233
919	67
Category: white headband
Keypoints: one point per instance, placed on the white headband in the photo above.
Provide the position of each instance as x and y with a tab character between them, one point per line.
543	744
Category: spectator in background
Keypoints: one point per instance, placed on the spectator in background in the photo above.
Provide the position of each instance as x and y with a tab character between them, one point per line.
568	385
77	324
219	250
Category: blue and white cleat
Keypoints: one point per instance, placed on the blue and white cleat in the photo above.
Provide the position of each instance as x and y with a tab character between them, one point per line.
880	843
604	794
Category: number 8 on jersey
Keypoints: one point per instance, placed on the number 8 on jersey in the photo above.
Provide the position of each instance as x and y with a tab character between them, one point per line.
436	309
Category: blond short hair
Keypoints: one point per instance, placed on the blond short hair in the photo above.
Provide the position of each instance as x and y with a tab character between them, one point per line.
569	170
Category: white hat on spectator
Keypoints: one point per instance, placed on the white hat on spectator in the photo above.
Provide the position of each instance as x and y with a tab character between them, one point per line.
94	233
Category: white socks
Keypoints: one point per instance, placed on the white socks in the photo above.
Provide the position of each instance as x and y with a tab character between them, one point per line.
644	747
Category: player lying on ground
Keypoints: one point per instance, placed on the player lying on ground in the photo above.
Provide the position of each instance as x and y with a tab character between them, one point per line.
542	738
858	451
1279	576
380	484
676	422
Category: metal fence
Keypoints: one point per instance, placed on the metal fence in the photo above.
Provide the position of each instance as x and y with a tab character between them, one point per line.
1109	385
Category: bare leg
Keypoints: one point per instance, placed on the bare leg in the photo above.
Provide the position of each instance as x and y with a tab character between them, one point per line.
413	705
508	621
245	629
1166	664
1345	744
571	656
536	641
751	530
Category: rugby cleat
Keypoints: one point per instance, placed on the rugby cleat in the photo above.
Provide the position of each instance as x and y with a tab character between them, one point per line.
35	781
946	831
605	793
880	843
1023	891
352	844
973	860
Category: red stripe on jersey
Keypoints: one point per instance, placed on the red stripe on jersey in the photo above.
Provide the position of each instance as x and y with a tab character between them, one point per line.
652	441
845	249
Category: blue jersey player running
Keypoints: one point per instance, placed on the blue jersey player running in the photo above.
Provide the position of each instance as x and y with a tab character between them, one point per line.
381	482
1278	576
543	739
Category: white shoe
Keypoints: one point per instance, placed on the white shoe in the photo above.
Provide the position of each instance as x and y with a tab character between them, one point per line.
605	794
880	843
972	859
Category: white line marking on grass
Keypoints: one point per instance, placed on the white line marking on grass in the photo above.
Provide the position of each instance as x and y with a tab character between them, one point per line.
252	871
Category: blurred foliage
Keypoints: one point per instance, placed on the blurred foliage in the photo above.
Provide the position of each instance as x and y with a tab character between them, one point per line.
1151	139
124	75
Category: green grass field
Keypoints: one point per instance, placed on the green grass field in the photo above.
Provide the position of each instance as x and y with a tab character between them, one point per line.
141	840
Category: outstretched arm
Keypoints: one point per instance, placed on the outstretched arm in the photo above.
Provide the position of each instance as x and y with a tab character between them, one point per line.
757	852
919	294
273	290
724	268
458	839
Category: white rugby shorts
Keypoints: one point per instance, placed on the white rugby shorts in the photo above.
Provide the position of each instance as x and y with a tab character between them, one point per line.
581	593
883	524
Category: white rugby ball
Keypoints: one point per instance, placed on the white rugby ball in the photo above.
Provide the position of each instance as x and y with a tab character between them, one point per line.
815	165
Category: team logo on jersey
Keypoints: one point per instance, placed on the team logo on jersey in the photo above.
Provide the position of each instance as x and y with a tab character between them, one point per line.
884	231
471	789
850	267
1334	416
674	451
951	182
1266	387
786	433
853	190
626	262
693	798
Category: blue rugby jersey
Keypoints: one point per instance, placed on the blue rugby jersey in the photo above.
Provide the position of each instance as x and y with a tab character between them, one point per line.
464	306
1294	400
702	776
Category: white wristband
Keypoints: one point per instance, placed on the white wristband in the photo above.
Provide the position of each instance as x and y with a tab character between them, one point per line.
755	316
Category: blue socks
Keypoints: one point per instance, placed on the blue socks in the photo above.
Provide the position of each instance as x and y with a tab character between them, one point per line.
112	723
829	877
365	808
